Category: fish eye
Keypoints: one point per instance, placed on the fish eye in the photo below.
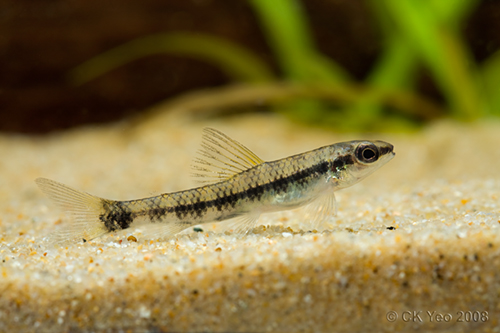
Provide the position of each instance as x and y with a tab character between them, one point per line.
367	153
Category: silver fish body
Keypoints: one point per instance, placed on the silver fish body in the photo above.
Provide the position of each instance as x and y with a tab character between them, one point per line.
243	187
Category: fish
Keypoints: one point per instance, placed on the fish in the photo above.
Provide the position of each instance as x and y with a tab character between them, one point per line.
238	187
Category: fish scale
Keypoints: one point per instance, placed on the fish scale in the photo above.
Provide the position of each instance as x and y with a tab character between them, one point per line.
242	187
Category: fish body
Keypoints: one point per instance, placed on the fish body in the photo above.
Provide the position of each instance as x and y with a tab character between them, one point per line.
242	188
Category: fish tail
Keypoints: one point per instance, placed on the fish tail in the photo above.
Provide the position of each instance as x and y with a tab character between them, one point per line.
86	210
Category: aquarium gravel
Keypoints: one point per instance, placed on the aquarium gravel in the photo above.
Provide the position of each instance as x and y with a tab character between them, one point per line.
416	246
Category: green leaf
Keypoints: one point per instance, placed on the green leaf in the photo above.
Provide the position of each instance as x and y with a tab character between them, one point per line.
490	74
440	47
288	34
238	62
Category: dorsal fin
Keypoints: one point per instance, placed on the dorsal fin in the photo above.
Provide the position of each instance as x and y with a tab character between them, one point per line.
222	157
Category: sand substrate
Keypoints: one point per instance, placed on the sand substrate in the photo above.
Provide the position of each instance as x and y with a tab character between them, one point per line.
415	247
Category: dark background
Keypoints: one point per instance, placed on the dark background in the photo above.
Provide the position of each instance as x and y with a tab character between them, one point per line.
40	41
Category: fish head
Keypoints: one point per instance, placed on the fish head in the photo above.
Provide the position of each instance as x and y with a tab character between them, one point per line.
358	159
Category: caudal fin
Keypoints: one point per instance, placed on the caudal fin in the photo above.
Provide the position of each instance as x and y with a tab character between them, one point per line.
85	209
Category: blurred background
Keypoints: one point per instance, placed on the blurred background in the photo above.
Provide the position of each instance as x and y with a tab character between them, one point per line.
362	65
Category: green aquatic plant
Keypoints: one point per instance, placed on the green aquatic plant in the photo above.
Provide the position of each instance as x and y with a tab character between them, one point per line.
415	33
490	74
287	32
433	32
236	61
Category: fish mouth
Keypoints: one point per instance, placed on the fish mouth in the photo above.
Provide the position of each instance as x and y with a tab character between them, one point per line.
387	149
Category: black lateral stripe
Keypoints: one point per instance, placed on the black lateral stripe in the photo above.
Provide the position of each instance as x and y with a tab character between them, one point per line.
155	214
341	162
384	150
117	216
199	208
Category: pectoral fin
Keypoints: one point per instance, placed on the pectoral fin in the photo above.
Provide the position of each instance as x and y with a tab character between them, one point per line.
320	211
